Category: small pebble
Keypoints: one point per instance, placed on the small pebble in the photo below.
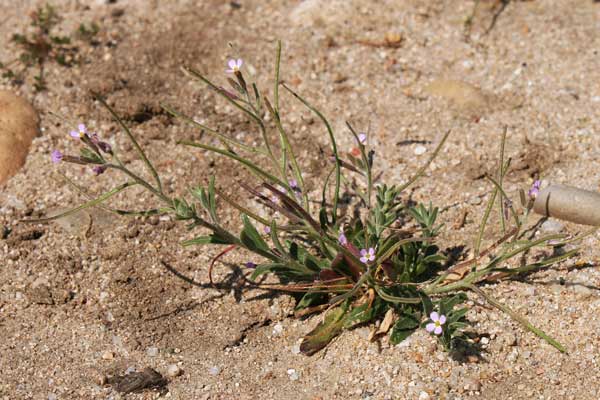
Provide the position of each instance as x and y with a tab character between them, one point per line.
277	329
485	340
424	396
173	370
551	226
420	149
293	374
214	370
152	351
108	355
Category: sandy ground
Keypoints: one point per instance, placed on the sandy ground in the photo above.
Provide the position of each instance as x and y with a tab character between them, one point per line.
97	295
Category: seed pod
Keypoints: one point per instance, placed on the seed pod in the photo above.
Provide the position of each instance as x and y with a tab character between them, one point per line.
569	203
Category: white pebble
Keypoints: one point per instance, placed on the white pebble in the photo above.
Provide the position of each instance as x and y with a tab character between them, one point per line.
293	374
174	370
420	149
152	351
214	370
277	329
424	396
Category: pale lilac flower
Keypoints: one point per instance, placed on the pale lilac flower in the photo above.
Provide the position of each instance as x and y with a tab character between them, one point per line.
367	255
535	189
436	325
293	184
80	132
362	138
267	230
99	169
342	239
234	65
57	156
250	264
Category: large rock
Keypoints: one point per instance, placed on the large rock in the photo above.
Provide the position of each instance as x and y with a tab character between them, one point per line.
19	124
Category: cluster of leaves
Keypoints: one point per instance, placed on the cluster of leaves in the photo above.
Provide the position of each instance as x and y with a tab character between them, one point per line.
42	45
381	263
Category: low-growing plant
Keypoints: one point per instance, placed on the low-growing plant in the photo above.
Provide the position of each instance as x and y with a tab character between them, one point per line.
381	263
42	45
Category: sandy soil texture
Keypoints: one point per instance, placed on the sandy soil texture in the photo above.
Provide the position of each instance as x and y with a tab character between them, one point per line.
93	296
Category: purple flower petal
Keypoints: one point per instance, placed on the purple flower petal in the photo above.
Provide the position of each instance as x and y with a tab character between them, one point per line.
56	156
430	327
362	138
434	316
438	330
75	134
342	239
364	260
82	128
239	62
232	64
442	319
250	264
267	230
363	252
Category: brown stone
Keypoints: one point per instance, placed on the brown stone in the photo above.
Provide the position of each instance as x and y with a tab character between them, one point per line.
19	124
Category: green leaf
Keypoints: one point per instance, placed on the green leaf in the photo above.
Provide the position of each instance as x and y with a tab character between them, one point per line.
364	313
404	327
208	239
311	299
267	268
251	238
446	305
324	332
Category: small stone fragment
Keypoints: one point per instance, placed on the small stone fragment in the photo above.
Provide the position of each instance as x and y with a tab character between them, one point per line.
420	150
293	374
173	370
152	351
138	381
214	370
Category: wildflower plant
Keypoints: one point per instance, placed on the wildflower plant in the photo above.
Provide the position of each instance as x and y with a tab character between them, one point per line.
382	264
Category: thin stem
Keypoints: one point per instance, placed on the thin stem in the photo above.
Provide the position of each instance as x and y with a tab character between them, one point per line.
519	318
135	143
333	145
255	118
421	170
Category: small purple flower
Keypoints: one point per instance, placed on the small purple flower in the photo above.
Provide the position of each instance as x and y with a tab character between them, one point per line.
267	230
342	239
234	65
57	156
250	264
436	323
105	147
99	169
367	255
80	132
362	138
293	184
535	189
